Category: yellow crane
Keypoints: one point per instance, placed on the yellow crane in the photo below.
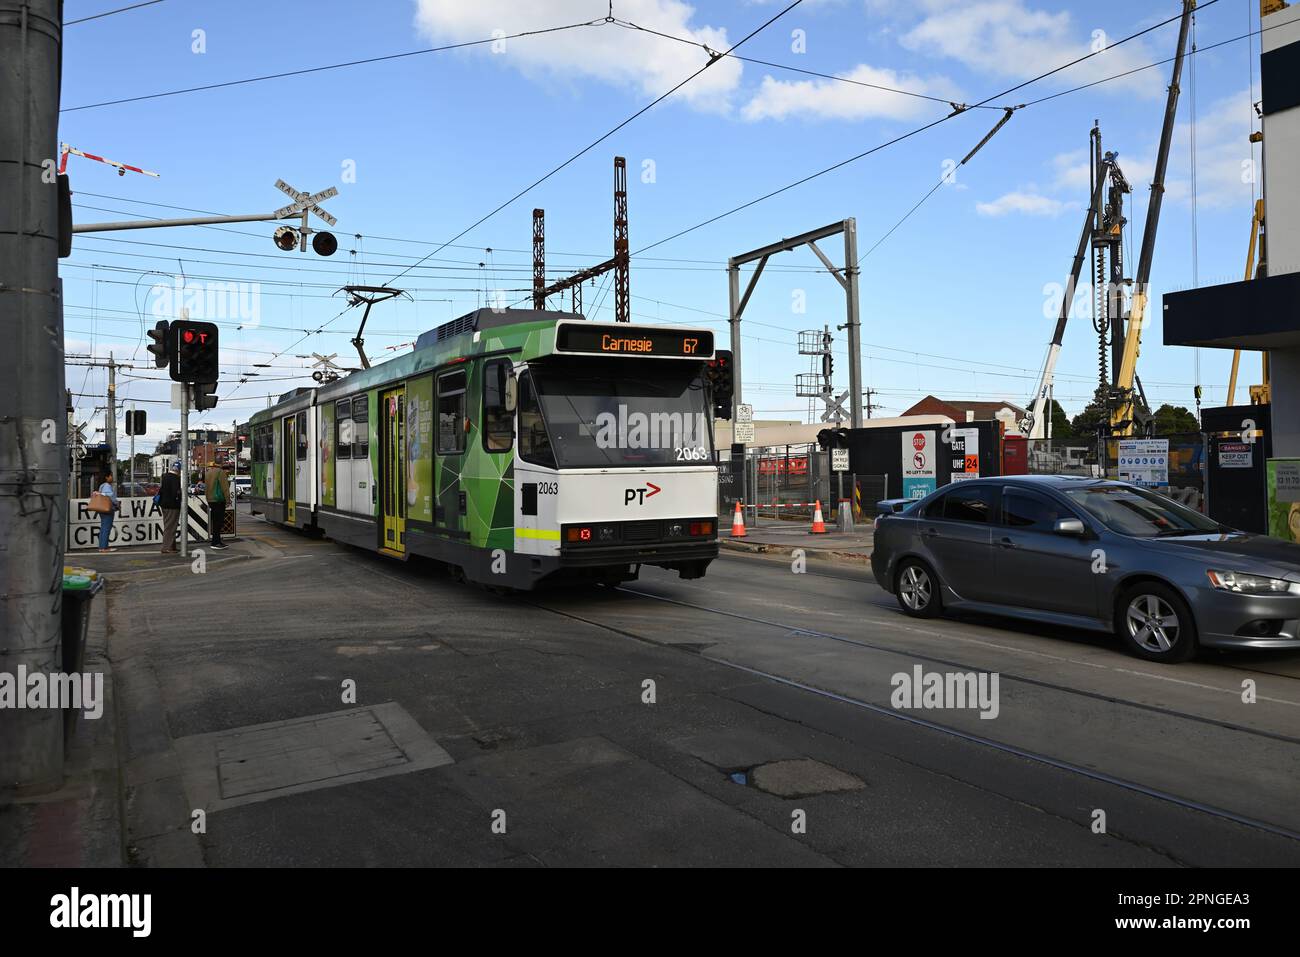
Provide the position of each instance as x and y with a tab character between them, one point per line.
1259	394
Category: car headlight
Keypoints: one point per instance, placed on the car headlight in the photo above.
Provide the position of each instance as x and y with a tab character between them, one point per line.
1251	584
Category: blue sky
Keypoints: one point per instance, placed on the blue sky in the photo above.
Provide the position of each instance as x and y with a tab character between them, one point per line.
956	302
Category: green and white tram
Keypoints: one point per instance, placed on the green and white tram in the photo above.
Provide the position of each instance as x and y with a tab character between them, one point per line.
518	446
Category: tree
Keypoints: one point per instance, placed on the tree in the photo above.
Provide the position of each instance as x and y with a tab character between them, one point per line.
1092	418
1174	418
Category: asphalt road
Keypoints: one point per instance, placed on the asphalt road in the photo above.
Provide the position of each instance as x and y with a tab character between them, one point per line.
742	719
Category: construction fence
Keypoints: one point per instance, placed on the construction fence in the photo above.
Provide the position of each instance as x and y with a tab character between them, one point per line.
785	483
1100	459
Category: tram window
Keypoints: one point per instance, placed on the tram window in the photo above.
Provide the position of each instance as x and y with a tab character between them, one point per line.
451	412
498	422
300	436
360	427
343	429
534	443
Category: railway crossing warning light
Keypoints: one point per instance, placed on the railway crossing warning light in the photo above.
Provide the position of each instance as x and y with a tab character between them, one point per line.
161	347
204	395
195	357
833	439
136	421
286	237
718	374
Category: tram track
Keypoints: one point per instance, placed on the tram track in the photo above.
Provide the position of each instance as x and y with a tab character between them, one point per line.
1028	754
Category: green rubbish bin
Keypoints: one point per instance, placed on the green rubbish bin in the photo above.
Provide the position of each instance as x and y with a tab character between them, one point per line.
80	586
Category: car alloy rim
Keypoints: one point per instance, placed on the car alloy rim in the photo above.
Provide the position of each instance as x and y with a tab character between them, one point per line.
1152	623
915	588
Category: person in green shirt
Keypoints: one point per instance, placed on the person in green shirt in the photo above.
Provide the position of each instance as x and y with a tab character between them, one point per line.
217	490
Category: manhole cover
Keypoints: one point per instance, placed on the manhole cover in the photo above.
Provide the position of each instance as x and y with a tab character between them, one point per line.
259	762
802	778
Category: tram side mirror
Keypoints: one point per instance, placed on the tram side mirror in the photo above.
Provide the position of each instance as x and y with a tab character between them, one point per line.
501	391
510	393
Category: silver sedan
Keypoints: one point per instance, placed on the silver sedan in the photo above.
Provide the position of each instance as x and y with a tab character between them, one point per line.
1091	553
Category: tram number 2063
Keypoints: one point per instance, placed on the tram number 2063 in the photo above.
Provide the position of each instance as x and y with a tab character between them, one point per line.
548	488
687	454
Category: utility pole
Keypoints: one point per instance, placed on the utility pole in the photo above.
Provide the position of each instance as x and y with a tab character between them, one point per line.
33	421
185	469
868	404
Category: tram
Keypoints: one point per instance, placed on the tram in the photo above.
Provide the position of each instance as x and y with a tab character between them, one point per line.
517	446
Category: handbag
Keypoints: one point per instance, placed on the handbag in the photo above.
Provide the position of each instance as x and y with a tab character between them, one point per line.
99	502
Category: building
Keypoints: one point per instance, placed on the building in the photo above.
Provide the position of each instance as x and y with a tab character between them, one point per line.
969	410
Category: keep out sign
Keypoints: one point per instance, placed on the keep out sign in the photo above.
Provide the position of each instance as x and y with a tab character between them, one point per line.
138	523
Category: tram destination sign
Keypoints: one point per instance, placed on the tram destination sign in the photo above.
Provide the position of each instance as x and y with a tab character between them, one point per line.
629	340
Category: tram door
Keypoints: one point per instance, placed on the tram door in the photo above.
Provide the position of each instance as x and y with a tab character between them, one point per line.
392	458
287	463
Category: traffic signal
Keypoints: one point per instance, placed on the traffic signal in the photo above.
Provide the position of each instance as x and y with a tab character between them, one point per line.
204	394
160	348
135	422
195	357
719	374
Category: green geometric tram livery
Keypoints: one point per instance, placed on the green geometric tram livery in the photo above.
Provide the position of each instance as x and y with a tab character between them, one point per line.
517	446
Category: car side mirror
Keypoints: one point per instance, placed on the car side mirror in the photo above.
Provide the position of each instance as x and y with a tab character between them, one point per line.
1069	526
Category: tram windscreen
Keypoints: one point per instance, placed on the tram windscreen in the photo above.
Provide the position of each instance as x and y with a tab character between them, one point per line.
624	413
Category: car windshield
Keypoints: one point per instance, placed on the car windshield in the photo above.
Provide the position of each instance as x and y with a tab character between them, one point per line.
1135	511
603	413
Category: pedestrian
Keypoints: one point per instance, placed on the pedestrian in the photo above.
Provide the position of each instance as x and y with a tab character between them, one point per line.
217	490
169	500
106	518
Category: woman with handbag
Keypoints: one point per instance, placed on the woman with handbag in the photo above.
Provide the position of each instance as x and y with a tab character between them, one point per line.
106	503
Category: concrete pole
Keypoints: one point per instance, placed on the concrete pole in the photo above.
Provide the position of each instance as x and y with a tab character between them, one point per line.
854	321
132	466
33	420
110	420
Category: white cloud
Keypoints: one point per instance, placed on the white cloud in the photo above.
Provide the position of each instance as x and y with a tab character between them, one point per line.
1032	204
641	61
832	99
1006	38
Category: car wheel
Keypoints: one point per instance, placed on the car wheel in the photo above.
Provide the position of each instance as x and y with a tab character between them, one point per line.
917	590
1155	623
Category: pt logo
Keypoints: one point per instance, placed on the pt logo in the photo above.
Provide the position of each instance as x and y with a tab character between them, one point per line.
639	495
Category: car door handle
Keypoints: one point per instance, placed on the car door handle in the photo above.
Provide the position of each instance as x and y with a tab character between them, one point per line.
930	533
1006	543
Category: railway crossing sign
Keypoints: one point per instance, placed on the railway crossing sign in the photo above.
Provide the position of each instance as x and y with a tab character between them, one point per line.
835	411
303	204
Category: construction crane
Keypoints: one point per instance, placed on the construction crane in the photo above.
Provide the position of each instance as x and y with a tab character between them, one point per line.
619	262
1259	394
1102	227
1127	409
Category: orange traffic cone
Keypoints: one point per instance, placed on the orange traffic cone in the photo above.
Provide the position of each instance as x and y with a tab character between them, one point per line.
738	523
818	526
